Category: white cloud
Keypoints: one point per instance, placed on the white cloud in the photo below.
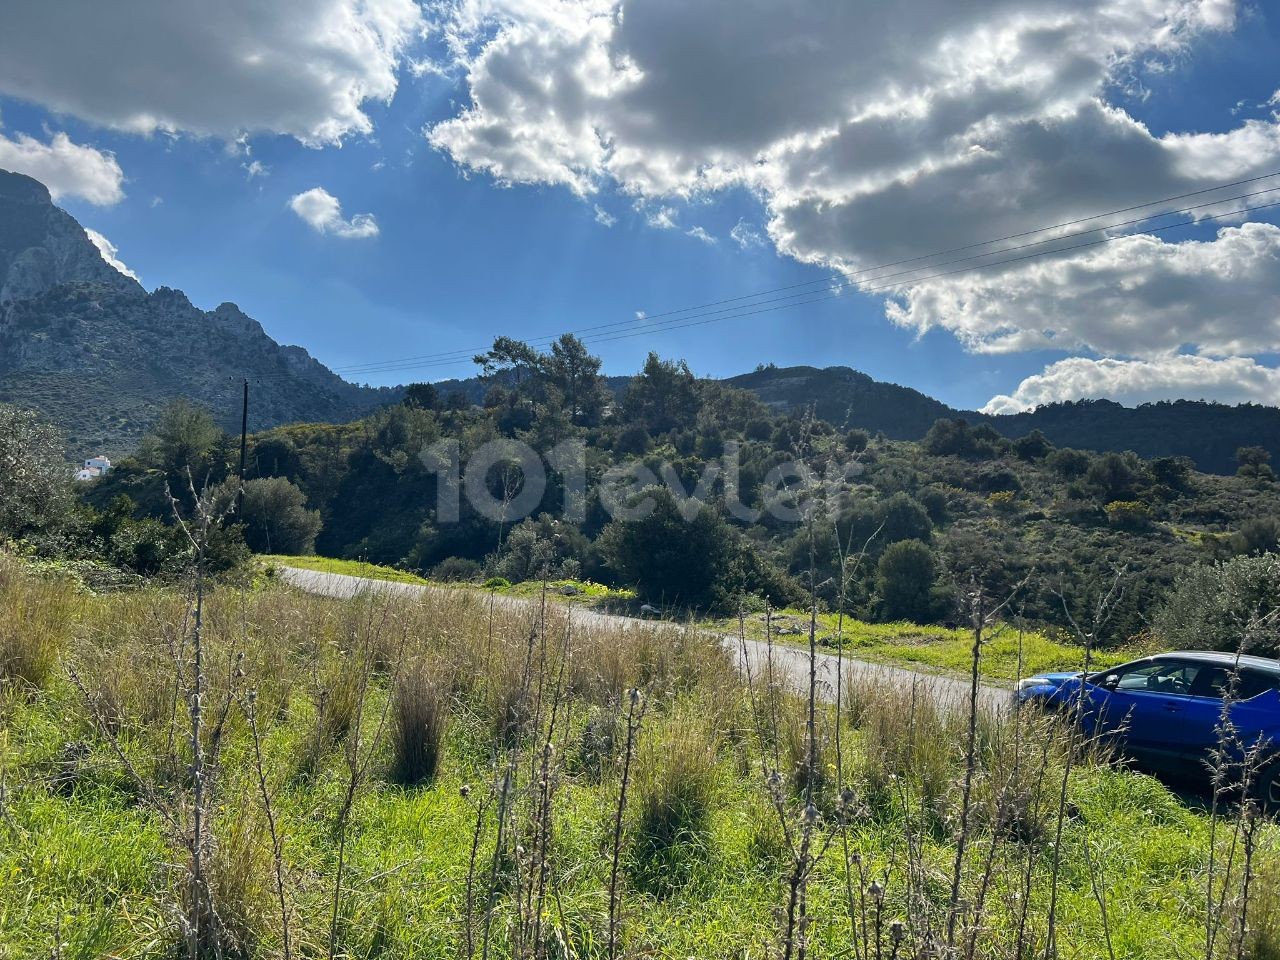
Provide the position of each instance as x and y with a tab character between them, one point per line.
1131	382
604	217
875	132
110	253
746	236
1136	296
305	68
660	218
698	233
67	169
255	168
323	212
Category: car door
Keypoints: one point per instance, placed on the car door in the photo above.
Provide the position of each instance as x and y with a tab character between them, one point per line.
1255	715
1143	707
1194	720
1195	727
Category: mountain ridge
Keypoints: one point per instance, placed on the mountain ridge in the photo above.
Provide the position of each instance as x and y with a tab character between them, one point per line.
95	352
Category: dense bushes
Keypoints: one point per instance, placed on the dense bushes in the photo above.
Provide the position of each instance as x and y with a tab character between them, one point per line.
1225	606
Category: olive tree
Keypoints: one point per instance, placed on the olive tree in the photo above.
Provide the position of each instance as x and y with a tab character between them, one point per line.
35	478
1220	606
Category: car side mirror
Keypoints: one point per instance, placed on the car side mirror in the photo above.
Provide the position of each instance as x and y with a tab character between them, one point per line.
1111	681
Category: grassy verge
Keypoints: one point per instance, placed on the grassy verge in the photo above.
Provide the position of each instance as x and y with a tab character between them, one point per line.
597	596
350	568
1006	655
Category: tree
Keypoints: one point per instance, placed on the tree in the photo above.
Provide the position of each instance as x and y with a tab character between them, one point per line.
1254	462
901	517
276	518
508	356
1113	476
35	479
182	438
422	395
1219	606
667	558
904	580
663	396
576	373
1034	446
956	438
274	456
1069	464
1257	535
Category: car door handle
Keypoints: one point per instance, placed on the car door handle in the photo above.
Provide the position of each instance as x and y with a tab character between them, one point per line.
1173	707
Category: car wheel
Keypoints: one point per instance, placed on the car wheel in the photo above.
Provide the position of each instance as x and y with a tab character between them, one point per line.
1269	787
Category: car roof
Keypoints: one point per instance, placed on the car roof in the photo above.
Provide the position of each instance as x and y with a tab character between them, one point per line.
1223	659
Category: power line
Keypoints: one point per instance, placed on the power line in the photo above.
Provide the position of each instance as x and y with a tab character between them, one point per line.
458	355
674	321
833	291
833	294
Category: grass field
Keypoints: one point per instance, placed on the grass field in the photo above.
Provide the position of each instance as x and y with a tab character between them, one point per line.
349	568
1007	655
420	780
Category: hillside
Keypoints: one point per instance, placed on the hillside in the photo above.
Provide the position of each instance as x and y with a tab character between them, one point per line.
101	357
1208	433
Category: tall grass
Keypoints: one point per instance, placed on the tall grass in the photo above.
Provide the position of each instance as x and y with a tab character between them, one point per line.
419	712
507	845
38	616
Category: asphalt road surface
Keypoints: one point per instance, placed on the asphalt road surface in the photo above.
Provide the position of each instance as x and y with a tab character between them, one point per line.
790	663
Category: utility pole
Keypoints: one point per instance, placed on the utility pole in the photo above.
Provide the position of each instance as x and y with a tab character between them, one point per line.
244	437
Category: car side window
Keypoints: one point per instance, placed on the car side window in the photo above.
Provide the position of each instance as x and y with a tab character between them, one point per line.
1168	679
1214	682
1254	683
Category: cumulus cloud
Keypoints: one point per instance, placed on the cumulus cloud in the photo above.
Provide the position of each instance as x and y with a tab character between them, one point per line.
322	211
876	132
1131	382
110	253
1135	296
304	68
604	217
698	233
68	169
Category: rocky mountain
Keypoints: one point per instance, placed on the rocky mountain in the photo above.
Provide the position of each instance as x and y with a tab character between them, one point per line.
99	355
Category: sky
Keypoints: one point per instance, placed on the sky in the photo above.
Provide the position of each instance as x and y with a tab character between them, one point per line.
392	184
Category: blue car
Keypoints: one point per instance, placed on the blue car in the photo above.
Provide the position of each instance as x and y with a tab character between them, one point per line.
1165	711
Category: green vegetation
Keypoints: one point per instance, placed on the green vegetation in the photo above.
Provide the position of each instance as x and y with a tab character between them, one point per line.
888	530
1008	653
349	568
390	759
979	506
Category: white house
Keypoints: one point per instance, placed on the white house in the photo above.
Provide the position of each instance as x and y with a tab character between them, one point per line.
93	467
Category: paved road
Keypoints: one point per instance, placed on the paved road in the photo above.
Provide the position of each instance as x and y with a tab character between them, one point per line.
790	664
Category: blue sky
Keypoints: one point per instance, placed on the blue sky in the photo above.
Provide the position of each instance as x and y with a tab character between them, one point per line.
483	227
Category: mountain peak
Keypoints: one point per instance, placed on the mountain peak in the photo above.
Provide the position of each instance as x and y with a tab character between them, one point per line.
43	246
19	188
